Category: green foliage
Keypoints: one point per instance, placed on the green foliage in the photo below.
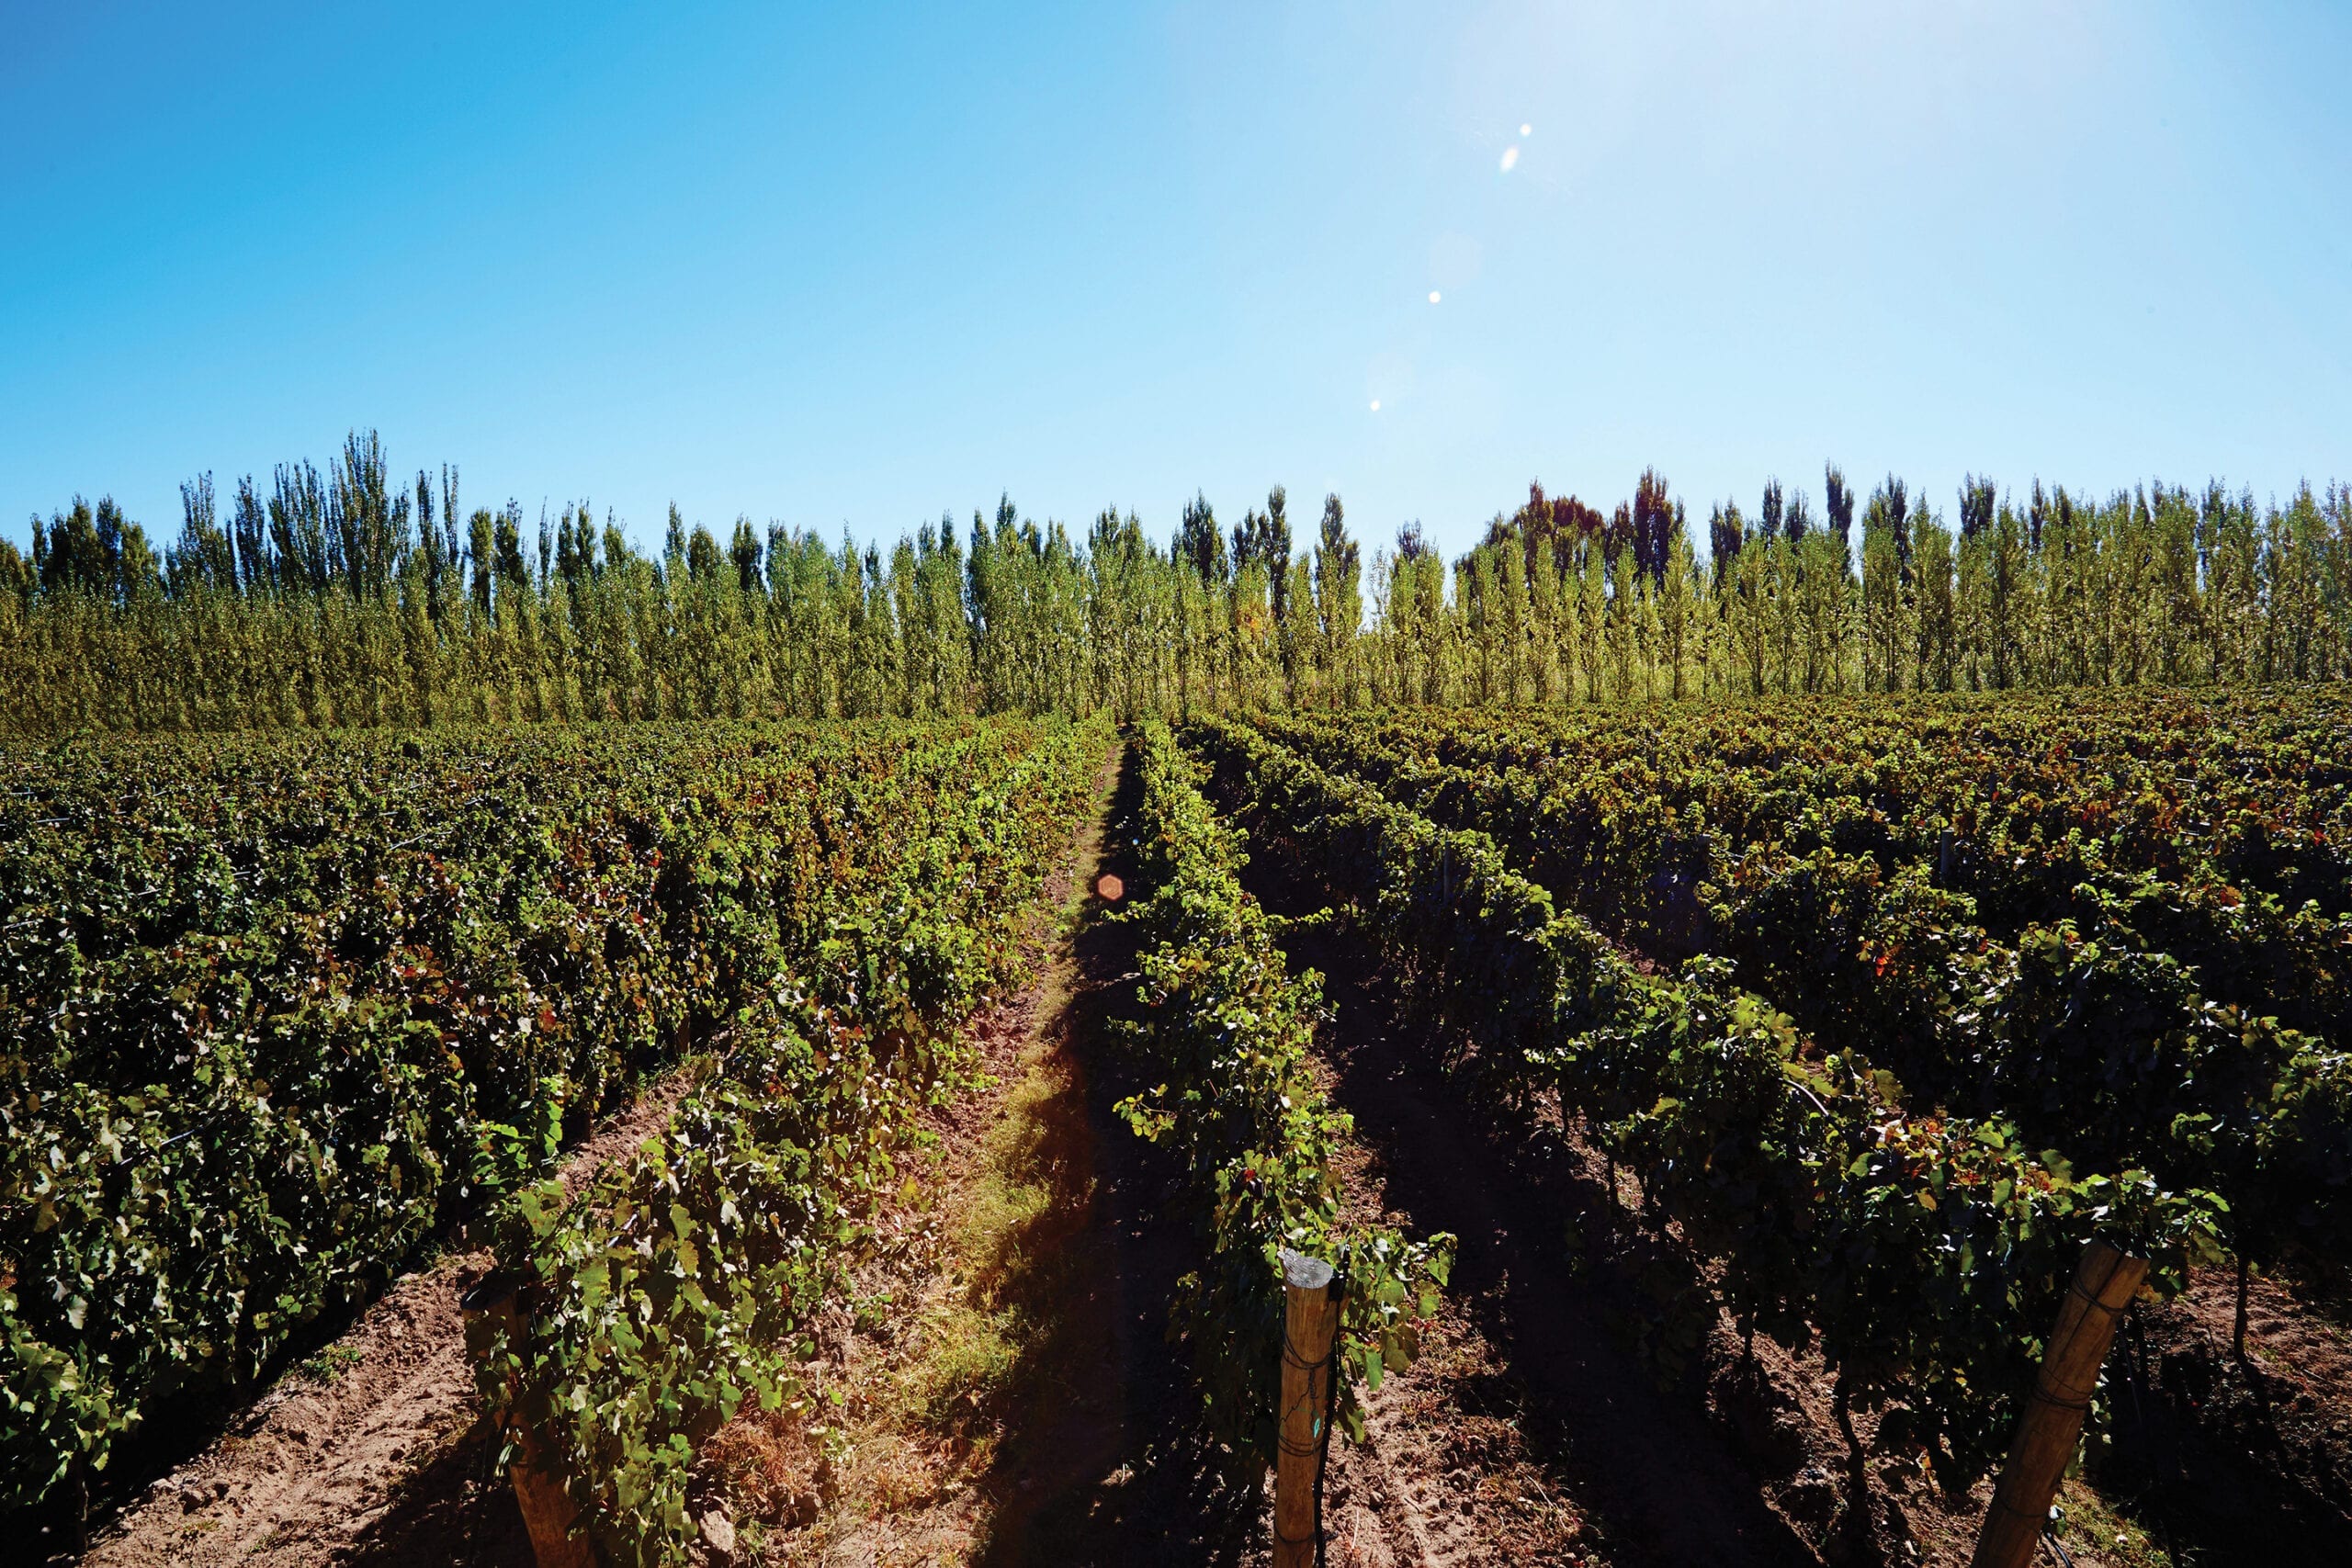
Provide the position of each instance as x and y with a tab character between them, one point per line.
275	1006
672	1290
1922	1253
2008	906
1233	1031
344	600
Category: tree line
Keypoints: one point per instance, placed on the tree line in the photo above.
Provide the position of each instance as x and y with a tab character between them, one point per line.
348	598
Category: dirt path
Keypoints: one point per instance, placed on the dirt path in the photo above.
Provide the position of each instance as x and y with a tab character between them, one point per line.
343	1449
968	1329
1450	1469
1000	1389
1133	1489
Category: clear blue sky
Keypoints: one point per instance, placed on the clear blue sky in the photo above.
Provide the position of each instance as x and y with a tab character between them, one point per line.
859	265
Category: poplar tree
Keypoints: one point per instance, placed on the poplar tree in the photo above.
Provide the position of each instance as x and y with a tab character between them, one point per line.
1338	607
343	598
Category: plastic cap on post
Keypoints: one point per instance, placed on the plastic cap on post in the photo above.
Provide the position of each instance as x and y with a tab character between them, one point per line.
1304	1273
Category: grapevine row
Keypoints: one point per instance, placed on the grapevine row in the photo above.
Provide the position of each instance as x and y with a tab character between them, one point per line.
225	1118
1921	1253
2025	848
1699	864
679	1284
2099	1032
1232	1031
2256	793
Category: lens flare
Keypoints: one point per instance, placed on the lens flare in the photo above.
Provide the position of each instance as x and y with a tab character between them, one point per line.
1511	159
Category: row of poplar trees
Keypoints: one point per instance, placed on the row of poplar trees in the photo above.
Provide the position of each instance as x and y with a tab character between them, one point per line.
344	598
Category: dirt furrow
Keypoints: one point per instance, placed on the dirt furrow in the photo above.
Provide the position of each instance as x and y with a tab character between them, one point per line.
1530	1430
320	1464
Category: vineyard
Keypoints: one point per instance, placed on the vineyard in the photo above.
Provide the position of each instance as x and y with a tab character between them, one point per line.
1839	1029
1885	1010
276	1010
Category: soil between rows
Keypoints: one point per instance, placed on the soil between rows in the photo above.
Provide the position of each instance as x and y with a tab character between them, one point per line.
367	1450
1529	1335
997	1388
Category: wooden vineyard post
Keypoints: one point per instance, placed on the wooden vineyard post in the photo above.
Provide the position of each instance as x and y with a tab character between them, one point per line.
2104	1284
549	1513
1311	1321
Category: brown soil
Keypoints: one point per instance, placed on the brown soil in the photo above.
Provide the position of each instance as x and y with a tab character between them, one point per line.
2255	1452
1538	1405
366	1448
1447	1471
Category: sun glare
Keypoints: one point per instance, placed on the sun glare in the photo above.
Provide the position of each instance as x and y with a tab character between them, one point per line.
1511	159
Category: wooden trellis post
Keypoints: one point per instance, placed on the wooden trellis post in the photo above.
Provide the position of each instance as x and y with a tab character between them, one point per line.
549	1513
1311	1321
2104	1284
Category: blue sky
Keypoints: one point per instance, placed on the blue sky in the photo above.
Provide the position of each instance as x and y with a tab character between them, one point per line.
858	265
